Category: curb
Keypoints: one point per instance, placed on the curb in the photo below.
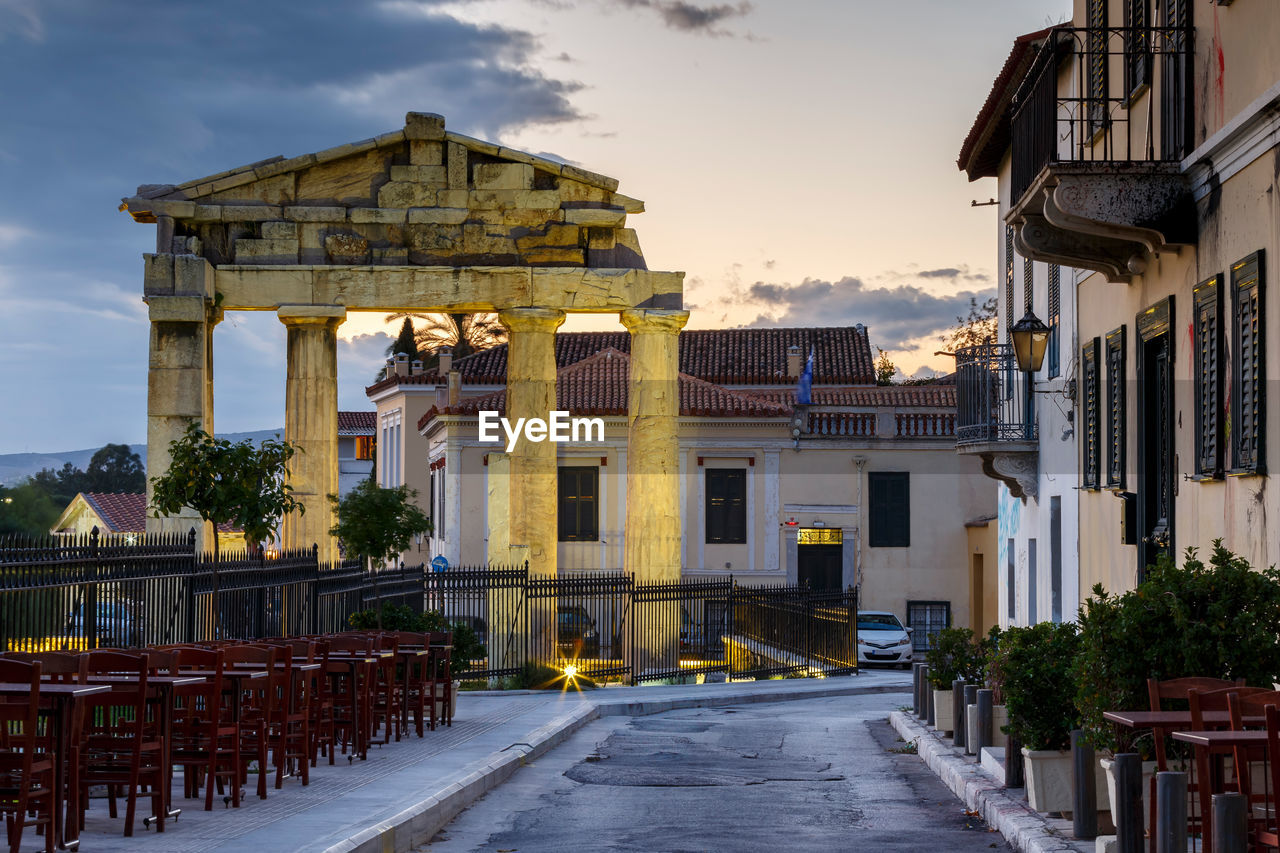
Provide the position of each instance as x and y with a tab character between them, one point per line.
1026	831
417	824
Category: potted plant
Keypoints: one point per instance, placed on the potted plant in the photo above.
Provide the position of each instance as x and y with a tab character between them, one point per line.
1219	620
1039	690
994	677
952	655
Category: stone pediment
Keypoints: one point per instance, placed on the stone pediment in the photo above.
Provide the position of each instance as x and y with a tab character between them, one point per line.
417	196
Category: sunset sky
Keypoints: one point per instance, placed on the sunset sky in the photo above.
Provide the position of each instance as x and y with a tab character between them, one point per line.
797	158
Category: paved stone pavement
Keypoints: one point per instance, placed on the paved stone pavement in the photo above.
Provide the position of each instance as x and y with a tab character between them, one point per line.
808	775
407	790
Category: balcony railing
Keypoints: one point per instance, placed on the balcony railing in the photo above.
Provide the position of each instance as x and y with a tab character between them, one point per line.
993	403
1104	116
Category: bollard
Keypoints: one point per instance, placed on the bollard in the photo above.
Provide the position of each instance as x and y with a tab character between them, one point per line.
1128	817
1014	772
957	713
1230	827
970	697
928	698
1171	806
1084	788
916	710
986	705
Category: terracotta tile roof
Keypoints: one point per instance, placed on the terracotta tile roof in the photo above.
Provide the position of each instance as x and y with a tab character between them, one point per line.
125	512
357	423
842	356
987	140
597	385
940	396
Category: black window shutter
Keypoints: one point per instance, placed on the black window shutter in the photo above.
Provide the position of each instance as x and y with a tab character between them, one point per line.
1116	412
1092	410
889	496
1207	333
1248	415
726	511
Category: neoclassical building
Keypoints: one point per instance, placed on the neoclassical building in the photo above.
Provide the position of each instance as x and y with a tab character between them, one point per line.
867	490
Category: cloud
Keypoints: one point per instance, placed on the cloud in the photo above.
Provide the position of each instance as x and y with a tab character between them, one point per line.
954	274
690	18
114	95
898	317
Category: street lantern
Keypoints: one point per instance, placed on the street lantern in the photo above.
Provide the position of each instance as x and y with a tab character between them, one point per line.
1030	336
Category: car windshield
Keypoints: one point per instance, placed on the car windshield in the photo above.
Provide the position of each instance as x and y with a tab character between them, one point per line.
878	622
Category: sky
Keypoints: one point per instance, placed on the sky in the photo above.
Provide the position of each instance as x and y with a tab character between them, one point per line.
797	160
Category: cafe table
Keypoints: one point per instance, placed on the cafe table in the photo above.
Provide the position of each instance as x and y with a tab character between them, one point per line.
357	667
1206	744
66	712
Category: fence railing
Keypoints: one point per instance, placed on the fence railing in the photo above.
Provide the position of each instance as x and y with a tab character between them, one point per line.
98	591
993	400
1101	114
608	625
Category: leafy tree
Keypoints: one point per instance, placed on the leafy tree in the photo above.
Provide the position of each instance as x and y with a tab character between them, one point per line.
63	484
27	510
978	326
115	468
885	369
378	524
239	484
465	333
406	343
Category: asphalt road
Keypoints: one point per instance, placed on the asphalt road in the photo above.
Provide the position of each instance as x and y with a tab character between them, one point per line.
814	775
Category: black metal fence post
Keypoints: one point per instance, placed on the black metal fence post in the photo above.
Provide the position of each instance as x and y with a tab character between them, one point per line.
1084	799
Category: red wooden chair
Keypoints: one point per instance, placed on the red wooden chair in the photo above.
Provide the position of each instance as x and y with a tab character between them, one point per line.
257	708
348	692
206	739
289	728
417	682
444	678
122	744
1266	833
26	771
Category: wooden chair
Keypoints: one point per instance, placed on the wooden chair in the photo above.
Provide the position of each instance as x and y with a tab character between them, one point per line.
1266	834
418	681
289	729
1258	771
257	708
122	744
347	692
26	771
206	740
444	676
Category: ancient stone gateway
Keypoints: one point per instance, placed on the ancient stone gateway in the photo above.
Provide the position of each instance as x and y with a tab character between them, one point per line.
419	219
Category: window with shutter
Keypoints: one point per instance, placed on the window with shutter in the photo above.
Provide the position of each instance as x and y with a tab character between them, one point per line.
726	505
1090	395
579	487
889	499
1008	281
1207	333
1054	320
1247	372
1116	414
1137	46
1096	64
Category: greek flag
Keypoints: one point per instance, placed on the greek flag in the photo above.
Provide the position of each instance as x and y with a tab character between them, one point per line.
804	390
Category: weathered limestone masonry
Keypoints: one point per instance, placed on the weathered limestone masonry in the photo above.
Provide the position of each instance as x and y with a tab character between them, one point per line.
418	219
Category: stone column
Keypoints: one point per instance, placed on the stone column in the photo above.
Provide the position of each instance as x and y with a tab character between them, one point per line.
178	290
531	393
653	465
311	421
652	551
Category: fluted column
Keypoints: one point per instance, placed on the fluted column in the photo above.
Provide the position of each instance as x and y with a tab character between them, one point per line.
653	464
531	393
311	421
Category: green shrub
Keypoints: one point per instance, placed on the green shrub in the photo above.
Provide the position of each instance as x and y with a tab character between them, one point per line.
1220	621
397	617
1039	685
955	654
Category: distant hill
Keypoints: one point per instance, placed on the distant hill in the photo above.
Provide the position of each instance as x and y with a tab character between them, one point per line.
16	467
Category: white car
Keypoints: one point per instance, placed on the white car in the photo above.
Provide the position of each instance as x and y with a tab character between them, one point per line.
882	639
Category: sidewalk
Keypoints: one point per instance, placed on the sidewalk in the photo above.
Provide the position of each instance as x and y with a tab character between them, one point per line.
406	791
1005	809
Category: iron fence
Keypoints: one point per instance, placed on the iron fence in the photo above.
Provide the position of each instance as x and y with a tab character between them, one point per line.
1142	113
993	400
99	591
114	591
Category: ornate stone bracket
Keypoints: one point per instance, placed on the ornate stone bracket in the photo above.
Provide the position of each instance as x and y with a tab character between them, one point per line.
1019	470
